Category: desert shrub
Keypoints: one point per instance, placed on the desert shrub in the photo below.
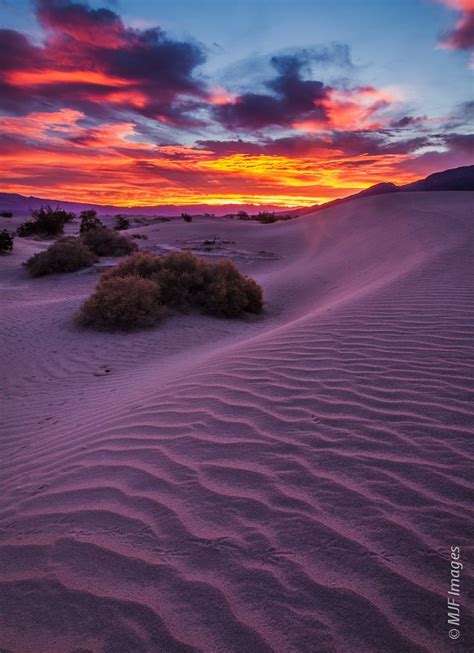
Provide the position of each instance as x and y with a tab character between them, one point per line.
89	220
6	241
27	229
179	274
243	215
122	303
65	255
6	214
187	281
186	217
107	242
266	218
46	222
229	293
121	222
140	264
181	279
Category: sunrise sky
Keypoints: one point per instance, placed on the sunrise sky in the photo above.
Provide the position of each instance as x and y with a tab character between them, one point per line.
287	102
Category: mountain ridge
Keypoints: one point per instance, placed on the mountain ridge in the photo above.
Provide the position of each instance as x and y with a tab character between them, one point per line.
461	178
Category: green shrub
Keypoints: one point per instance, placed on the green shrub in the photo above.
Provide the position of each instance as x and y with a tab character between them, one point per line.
186	217
65	255
121	223
89	220
6	241
107	242
122	303
6	214
187	281
46	222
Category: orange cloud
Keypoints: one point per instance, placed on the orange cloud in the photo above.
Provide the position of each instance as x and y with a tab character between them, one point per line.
350	109
46	77
462	36
42	124
109	165
220	96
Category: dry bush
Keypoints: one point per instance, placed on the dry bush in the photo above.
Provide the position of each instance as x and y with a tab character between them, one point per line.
65	255
266	218
122	303
106	242
46	222
229	293
187	281
121	222
89	220
140	264
6	241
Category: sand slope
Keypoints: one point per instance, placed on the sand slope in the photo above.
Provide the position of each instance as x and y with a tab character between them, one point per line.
287	483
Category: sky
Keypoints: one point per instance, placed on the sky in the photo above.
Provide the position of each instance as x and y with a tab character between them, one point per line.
270	102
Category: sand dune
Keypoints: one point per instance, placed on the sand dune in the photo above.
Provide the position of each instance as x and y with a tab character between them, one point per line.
289	483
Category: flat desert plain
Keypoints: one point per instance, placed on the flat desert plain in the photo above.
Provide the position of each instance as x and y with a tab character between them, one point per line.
289	482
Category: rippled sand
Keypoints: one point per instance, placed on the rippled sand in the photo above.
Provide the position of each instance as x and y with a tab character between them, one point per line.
289	483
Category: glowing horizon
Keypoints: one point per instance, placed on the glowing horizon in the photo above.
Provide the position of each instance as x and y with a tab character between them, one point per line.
96	110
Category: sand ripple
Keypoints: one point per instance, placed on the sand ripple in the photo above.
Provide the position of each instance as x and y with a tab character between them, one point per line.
289	485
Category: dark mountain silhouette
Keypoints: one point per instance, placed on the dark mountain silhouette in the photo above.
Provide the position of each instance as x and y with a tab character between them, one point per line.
21	204
448	180
453	179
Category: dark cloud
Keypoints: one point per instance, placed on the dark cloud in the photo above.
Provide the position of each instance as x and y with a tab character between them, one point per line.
462	36
291	98
460	143
91	61
349	144
374	143
16	50
406	121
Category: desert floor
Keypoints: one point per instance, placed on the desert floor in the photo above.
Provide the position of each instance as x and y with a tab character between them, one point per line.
291	482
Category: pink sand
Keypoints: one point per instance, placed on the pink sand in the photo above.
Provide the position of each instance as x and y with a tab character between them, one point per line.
289	483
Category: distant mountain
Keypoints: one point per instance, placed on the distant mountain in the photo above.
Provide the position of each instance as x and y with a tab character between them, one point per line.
21	204
454	179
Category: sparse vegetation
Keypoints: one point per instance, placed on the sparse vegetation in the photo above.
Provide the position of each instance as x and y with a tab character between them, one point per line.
187	281
266	218
186	217
121	223
107	242
89	220
229	293
6	214
243	215
127	303
27	229
46	222
6	241
65	255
